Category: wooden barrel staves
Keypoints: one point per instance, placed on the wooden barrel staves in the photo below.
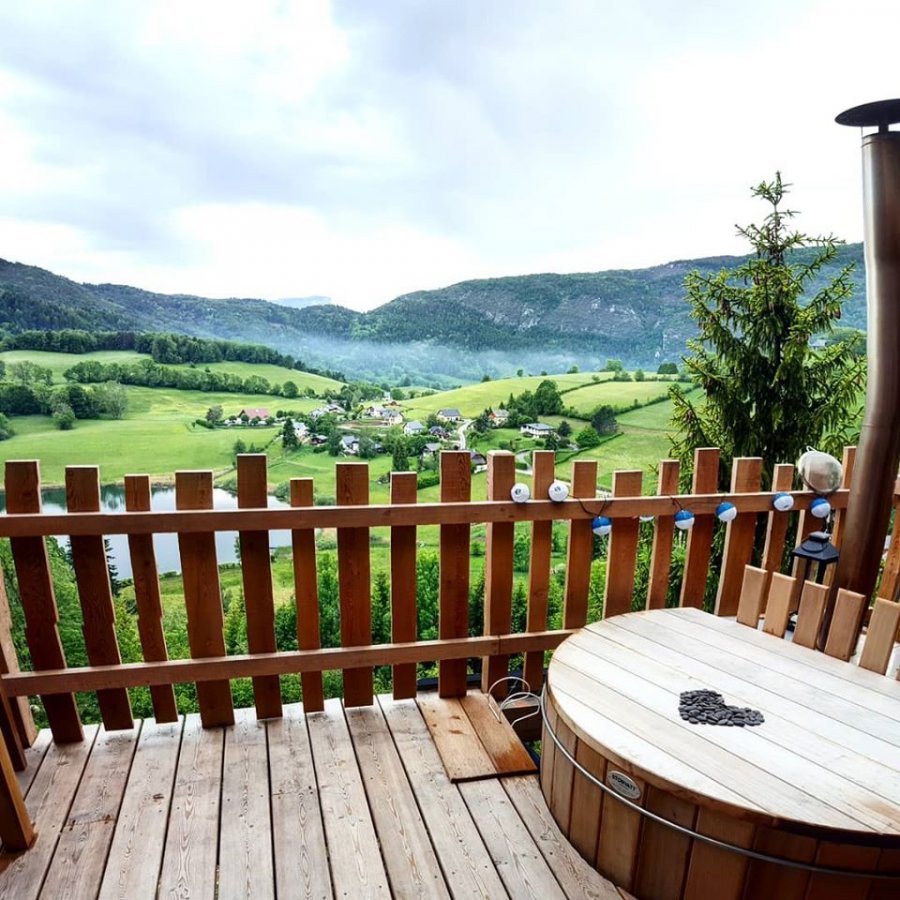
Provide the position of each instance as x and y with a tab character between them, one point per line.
799	797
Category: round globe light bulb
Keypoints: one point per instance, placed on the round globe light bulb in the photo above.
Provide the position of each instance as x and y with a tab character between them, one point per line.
520	493
558	491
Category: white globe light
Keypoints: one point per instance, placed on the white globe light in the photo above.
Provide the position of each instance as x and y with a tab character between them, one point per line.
783	501
820	508
601	526
558	491
646	518
520	493
726	512
684	519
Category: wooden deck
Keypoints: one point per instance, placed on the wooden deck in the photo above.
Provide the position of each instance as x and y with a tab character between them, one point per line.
344	803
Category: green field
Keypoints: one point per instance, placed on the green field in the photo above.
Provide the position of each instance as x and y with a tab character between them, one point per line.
59	362
618	394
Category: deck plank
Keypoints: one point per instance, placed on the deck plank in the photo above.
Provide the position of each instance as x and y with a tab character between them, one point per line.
523	869
192	839
132	870
467	866
497	736
409	857
575	876
301	856
34	757
458	745
48	802
246	868
80	859
356	864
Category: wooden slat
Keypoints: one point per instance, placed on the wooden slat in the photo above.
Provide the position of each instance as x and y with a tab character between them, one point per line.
778	604
773	880
848	462
354	579
548	753
699	541
256	575
848	608
498	576
16	829
575	876
587	811
177	671
306	591
524	871
753	596
664	851
849	858
23	495
95	593
456	740
710	866
620	832
22	719
301	856
411	863
810	614
746	475
663	532
776	531
132	869
192	838
456	486
581	547
246	867
48	802
202	596
560	802
454	835
356	864
622	556
542	462
146	593
880	636
890	578
403	584
80	858
34	758
498	738
9	733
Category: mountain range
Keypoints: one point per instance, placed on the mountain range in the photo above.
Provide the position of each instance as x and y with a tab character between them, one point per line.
464	331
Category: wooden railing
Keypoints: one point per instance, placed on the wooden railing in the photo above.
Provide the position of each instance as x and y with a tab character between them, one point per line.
195	522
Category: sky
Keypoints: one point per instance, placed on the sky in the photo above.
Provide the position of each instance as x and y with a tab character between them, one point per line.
361	149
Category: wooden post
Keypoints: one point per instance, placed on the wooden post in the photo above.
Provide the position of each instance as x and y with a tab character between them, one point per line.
581	546
890	579
740	533
623	541
22	720
542	462
147	596
354	581
306	591
456	486
498	582
23	495
256	572
699	541
773	550
16	830
403	584
203	597
663	532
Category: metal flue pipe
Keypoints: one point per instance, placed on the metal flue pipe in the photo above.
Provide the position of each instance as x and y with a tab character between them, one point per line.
878	452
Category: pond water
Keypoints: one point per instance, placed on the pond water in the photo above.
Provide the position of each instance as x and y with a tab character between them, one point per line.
112	499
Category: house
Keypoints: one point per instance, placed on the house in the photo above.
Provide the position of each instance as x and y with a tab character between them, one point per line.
439	432
414	427
449	415
300	430
536	430
478	459
254	412
376	412
432	448
499	417
350	445
335	408
318	439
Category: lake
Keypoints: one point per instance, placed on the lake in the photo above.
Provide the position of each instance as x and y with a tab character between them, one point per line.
112	499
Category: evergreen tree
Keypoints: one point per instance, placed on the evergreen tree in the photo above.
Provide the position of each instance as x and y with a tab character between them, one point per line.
767	392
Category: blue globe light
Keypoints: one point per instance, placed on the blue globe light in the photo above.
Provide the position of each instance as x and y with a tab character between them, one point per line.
601	526
783	501
820	508
684	519
726	512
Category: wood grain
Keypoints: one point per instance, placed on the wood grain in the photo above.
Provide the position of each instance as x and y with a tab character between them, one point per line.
20	709
848	608
753	596
778	604
458	745
256	575
776	530
453	601
580	548
699	540
880	636
500	741
403	584
623	541
810	615
663	533
202	596
306	591
146	594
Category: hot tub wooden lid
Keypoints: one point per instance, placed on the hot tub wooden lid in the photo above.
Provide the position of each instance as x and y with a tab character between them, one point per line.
827	756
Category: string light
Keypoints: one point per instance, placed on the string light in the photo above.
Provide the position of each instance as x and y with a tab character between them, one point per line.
520	493
820	508
783	501
558	491
726	512
684	519
601	526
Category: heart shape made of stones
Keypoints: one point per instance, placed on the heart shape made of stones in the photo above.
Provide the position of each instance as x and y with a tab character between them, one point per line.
709	708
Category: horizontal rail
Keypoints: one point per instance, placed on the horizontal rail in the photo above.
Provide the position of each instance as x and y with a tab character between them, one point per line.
178	671
386	515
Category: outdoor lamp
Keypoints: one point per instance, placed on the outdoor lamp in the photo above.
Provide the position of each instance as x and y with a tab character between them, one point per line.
520	493
646	518
601	526
558	491
684	519
783	501
820	508
817	548
726	512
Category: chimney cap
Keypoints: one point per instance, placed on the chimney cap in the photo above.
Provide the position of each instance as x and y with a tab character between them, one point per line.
879	114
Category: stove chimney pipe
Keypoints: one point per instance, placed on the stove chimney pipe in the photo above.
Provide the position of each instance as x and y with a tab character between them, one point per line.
878	453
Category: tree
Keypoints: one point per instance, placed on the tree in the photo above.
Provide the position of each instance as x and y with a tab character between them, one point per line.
6	429
214	415
112	399
667	368
565	429
587	438
289	436
28	373
613	365
547	400
639	375
603	419
766	391
400	455
238	448
63	415
289	389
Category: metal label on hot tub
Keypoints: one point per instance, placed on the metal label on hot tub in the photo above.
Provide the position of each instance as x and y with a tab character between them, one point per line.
623	785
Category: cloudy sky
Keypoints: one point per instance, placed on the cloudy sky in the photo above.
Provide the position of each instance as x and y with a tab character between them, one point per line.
363	149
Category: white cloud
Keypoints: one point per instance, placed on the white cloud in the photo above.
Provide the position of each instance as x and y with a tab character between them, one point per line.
363	150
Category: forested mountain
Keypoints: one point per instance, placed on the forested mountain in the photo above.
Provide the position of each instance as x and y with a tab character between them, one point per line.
490	326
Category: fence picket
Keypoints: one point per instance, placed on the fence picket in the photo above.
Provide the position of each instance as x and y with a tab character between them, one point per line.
663	532
699	541
623	542
581	547
403	584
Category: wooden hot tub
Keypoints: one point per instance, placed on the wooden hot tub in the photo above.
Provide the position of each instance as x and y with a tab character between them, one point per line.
817	783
